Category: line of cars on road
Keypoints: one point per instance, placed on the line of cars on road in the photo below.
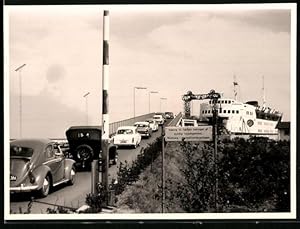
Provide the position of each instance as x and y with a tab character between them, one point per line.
132	135
40	164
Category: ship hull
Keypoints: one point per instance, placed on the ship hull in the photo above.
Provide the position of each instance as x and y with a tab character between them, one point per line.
241	119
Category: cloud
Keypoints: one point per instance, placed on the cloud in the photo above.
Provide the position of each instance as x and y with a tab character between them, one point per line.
43	116
273	20
133	26
166	51
55	73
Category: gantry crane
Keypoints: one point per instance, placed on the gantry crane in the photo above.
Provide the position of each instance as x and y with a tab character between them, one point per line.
189	96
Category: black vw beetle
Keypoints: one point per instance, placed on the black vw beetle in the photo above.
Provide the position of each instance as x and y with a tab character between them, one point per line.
38	165
85	143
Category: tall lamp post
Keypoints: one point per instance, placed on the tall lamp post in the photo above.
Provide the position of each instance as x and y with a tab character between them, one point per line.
160	103
86	107
151	92
20	100
138	88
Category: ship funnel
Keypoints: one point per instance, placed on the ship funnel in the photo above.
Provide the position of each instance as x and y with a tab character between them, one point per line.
253	103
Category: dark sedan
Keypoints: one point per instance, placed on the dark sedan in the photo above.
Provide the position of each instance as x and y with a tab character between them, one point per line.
85	145
38	165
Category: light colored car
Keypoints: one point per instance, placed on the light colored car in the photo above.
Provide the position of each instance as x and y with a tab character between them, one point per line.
127	136
189	122
144	129
169	115
38	165
159	119
153	124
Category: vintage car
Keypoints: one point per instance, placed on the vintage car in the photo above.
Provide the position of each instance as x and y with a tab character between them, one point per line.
169	115
153	124
162	114
38	165
144	129
85	145
189	122
127	136
159	119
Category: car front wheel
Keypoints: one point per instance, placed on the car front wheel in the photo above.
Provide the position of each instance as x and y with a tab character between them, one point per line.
44	191
72	176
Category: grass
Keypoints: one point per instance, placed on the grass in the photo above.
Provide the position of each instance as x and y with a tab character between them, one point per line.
144	196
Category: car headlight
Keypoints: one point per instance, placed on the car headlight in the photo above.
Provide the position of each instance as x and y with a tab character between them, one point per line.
31	178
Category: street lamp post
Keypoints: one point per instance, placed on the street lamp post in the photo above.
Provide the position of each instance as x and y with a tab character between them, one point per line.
138	88
86	107
20	100
151	92
160	103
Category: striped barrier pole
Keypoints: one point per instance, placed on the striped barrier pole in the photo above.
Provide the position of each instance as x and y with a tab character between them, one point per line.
105	108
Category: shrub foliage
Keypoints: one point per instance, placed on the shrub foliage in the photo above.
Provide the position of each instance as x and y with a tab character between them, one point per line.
129	174
252	175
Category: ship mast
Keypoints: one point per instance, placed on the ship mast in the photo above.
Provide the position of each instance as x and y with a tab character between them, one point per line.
234	87
263	91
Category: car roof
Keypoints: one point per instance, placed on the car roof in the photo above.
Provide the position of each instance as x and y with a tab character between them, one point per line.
85	127
141	123
126	127
37	144
32	141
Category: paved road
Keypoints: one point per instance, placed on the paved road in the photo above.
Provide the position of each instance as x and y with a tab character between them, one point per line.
74	196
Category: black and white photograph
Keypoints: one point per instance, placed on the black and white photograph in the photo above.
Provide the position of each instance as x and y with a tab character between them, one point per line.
148	112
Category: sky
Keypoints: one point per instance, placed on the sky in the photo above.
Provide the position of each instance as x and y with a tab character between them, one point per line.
170	50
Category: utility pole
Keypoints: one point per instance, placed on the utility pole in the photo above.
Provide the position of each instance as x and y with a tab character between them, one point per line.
20	96
86	107
134	88
160	103
151	92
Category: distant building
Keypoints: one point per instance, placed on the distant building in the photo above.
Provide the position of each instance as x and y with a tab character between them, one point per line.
283	131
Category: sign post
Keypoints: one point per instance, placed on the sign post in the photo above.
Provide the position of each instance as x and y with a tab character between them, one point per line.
178	133
163	174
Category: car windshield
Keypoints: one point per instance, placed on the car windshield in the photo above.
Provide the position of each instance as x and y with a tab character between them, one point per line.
19	151
157	117
150	121
125	131
188	124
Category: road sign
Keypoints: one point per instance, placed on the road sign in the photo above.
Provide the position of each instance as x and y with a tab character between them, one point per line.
189	133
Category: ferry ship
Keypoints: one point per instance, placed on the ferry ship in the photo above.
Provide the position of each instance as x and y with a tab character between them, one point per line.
243	119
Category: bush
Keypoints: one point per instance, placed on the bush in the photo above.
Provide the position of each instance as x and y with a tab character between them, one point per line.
258	170
252	175
197	193
130	174
96	201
